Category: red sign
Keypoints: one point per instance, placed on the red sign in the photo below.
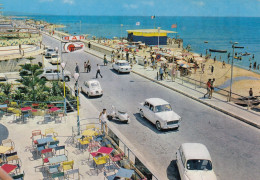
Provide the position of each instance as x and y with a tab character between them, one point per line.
74	46
73	38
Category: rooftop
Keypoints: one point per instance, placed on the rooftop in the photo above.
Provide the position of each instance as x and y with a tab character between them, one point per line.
195	151
156	101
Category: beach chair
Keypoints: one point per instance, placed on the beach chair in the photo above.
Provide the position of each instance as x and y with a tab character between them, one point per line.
53	169
70	174
67	165
46	154
84	141
59	149
36	134
40	147
18	176
54	144
50	131
100	162
11	157
57	175
8	143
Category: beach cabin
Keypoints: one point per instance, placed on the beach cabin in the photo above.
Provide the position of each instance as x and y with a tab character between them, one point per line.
148	36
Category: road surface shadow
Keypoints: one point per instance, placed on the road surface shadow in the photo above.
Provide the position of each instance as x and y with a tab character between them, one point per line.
121	73
89	97
151	126
4	133
118	122
172	171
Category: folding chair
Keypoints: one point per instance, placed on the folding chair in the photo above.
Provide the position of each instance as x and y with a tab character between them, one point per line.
35	134
67	165
40	147
8	143
59	149
51	132
71	172
46	154
19	176
53	144
53	169
57	175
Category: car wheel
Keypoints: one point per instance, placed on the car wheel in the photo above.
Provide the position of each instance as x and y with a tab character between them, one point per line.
66	78
44	78
158	125
141	113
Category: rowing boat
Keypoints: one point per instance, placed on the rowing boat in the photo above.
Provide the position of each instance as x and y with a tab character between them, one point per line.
219	51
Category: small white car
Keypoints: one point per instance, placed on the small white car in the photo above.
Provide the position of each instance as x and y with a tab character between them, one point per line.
55	59
92	88
122	66
194	162
160	113
50	52
52	74
45	50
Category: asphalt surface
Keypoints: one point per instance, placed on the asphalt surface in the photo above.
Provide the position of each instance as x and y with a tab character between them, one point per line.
233	145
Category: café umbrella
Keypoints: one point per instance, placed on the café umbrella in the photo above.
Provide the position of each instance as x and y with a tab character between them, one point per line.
185	66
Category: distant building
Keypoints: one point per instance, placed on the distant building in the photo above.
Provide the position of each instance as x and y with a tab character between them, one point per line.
148	36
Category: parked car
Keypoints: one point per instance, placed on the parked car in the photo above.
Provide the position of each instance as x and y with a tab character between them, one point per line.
92	88
45	50
55	59
122	66
194	162
50	52
160	113
3	77
51	73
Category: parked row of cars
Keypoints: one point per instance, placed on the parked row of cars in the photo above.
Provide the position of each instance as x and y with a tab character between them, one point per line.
52	55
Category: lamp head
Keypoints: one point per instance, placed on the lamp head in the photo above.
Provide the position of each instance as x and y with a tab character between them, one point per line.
76	76
63	64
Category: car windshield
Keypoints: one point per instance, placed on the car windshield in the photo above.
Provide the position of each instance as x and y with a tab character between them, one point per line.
123	64
197	164
50	50
55	56
161	108
94	84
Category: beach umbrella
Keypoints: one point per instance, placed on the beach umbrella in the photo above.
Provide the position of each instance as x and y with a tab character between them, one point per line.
199	59
184	65
178	57
181	62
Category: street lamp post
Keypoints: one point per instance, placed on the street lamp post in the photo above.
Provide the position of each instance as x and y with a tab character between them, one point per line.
232	63
64	89
158	37
76	77
121	32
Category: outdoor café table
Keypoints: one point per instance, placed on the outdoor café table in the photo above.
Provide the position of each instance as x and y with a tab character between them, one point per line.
4	149
45	140
58	159
102	150
89	132
124	173
8	168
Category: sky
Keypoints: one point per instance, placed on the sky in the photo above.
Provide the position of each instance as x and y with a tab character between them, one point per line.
226	8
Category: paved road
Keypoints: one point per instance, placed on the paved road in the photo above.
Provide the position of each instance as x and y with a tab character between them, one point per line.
234	146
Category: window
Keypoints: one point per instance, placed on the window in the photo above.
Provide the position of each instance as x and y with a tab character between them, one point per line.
161	108
56	71
123	64
197	164
86	84
182	157
48	71
151	107
146	104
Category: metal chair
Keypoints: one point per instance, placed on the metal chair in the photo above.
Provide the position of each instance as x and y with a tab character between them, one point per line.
40	147
58	150
67	165
53	169
54	144
46	154
8	143
71	172
57	175
36	134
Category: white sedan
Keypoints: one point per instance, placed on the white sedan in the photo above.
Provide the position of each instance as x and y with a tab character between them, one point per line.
92	88
122	66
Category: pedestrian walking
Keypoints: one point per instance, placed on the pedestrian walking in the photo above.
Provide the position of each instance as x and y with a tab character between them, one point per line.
145	62
89	45
20	48
103	120
153	63
251	92
202	68
250	66
166	72
254	66
208	89
215	58
161	73
85	66
88	67
212	87
223	64
127	55
105	60
77	68
212	69
76	89
195	68
98	71
253	57
173	72
57	50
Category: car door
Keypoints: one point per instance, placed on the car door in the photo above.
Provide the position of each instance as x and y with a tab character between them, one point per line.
116	66
146	109
150	114
87	88
181	163
55	74
48	74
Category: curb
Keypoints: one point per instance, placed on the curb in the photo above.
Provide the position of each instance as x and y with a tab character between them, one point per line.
203	102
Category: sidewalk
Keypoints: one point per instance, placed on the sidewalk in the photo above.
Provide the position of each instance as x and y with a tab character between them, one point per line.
218	102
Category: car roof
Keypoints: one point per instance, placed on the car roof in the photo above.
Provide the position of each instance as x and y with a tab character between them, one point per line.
50	68
156	101
92	81
195	151
122	61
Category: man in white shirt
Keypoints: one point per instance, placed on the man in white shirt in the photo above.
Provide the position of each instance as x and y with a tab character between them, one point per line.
103	119
98	71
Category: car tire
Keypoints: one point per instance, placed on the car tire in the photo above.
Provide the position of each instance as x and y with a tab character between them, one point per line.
141	113
158	126
66	78
44	78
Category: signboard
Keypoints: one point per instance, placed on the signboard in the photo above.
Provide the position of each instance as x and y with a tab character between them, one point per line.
73	38
74	46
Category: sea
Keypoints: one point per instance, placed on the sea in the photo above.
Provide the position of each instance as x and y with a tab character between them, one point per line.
200	33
